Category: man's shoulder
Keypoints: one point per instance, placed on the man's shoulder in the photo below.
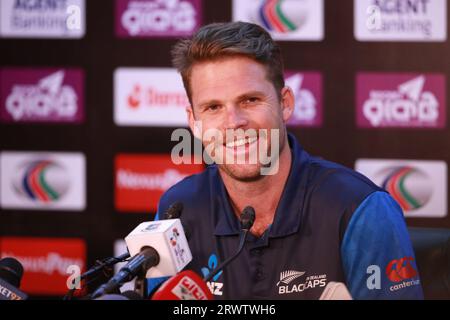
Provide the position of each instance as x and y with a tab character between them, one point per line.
187	190
335	180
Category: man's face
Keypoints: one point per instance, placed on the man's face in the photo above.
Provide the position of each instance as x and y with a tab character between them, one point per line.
234	93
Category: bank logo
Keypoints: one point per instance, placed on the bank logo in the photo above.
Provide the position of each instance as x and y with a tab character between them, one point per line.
42	19
400	100
284	19
400	20
41	95
400	269
307	88
46	261
149	97
157	18
140	180
287	277
398	185
47	181
42	181
419	187
274	18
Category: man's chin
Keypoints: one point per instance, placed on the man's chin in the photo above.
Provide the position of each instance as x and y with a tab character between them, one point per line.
242	172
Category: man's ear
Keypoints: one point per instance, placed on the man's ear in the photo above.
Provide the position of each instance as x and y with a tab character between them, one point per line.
193	124
287	103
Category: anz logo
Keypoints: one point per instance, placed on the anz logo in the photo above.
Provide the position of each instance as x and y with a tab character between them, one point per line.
214	286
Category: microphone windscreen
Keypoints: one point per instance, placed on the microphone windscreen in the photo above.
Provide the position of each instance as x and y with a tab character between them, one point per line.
11	270
247	218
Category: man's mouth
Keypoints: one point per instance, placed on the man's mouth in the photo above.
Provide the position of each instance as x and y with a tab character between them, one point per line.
239	142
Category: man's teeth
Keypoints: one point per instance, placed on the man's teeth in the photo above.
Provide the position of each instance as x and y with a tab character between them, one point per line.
241	142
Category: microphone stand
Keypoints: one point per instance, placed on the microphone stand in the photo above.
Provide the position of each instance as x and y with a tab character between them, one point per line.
100	266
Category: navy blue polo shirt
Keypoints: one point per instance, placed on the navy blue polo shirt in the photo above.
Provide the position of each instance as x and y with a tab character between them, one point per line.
331	224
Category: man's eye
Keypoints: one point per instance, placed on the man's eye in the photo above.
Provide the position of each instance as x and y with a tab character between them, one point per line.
251	100
213	107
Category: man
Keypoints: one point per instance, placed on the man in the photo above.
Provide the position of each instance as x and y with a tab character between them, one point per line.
316	221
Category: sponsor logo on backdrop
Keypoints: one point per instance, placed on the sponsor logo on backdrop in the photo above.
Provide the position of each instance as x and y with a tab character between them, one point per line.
140	180
400	100
42	19
149	97
46	262
419	186
400	20
307	88
157	18
284	19
42	95
45	181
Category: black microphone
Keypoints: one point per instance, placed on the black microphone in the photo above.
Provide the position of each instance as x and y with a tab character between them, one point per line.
174	211
127	295
140	263
11	272
247	219
100	266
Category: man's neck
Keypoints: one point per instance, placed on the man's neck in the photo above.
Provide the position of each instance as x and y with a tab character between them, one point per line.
263	195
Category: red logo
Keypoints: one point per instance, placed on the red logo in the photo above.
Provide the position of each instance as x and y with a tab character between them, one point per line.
134	99
142	179
45	262
400	269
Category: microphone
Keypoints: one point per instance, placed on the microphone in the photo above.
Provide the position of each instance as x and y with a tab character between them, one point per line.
144	260
247	219
186	285
168	243
174	211
103	265
127	295
11	272
169	240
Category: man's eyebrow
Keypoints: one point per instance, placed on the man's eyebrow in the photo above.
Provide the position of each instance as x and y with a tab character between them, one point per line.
241	97
207	103
250	94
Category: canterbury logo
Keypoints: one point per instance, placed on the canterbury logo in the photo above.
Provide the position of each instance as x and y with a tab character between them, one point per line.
401	269
289	275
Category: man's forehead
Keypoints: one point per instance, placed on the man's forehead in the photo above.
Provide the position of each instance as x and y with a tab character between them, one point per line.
228	77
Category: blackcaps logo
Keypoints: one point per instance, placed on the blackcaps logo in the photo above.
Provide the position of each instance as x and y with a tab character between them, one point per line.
310	282
287	277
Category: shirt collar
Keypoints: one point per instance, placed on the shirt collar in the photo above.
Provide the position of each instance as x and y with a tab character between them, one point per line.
288	214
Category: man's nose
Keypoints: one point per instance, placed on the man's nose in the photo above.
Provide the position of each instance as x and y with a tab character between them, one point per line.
235	117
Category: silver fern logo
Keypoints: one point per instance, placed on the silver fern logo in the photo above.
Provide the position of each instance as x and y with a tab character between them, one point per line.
288	276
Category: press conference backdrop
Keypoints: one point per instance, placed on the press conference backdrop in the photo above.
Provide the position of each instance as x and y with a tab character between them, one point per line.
89	100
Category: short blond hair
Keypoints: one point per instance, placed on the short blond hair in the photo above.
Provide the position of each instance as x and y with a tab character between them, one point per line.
219	40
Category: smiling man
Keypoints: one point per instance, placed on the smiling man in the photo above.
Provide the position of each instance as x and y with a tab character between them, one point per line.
316	221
